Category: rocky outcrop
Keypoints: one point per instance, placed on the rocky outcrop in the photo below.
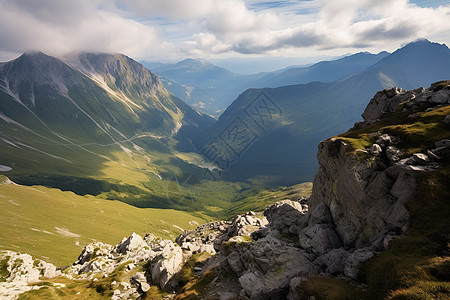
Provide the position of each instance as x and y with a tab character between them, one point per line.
22	271
387	101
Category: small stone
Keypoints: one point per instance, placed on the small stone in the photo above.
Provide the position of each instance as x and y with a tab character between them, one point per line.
197	269
432	155
442	143
392	153
447	119
375	149
384	139
421	158
440	97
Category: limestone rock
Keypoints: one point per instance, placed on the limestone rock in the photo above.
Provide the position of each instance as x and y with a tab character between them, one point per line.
333	262
319	239
48	270
421	158
354	261
133	242
167	262
140	281
285	216
375	149
381	103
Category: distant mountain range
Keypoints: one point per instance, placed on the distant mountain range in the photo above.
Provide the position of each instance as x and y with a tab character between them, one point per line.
88	113
212	89
270	135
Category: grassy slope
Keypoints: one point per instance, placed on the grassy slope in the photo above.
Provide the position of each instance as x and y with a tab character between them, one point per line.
258	200
44	209
416	266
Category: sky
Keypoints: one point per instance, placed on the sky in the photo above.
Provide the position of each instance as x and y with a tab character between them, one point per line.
223	31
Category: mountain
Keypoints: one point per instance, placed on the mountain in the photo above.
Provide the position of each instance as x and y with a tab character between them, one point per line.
98	124
324	71
269	135
199	83
374	227
196	72
211	89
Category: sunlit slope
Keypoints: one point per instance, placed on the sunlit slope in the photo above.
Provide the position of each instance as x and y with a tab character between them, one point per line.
55	225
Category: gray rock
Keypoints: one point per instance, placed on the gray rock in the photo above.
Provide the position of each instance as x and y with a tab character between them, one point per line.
447	119
295	290
441	96
333	262
284	214
354	261
384	139
432	155
235	262
167	262
48	270
252	283
421	158
319	239
445	143
140	281
320	215
375	149
383	102
134	242
392	153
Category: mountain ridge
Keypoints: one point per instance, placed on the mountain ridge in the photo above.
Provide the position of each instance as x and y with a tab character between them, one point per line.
308	114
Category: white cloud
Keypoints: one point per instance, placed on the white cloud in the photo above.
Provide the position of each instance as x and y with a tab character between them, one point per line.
177	28
48	26
342	24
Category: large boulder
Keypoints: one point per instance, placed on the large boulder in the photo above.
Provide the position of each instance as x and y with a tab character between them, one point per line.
133	242
166	263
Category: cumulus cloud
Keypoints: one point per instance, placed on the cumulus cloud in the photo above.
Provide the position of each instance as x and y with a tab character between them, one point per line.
59	27
177	28
337	24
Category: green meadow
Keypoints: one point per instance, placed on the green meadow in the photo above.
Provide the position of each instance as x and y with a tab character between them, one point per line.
54	225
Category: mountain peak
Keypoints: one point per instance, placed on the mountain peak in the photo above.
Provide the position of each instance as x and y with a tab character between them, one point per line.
37	56
422	43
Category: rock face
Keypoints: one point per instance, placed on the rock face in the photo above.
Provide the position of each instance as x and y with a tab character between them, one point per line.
365	201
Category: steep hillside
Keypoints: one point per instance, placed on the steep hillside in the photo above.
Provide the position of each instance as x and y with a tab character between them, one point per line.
280	131
375	227
103	125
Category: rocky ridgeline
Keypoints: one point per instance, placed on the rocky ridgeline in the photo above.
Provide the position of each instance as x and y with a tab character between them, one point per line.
356	208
